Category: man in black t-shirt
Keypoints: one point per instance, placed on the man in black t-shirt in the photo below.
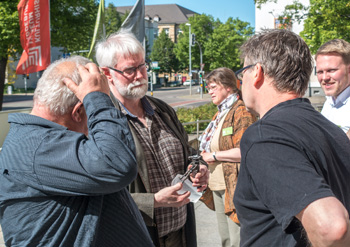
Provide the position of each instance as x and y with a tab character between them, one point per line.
292	188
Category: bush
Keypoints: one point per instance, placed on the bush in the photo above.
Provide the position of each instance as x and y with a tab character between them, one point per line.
17	90
203	112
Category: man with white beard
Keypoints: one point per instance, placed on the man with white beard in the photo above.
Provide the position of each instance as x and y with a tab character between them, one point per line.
161	144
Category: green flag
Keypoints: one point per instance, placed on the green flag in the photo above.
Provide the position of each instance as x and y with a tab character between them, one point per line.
99	27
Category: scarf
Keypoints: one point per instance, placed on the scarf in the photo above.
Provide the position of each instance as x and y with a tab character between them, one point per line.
223	108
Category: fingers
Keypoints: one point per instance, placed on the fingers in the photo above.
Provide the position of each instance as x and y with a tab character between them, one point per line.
169	197
70	84
177	186
93	79
200	180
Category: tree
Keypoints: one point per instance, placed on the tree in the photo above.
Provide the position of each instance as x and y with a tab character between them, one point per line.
113	20
9	38
222	48
72	23
202	26
163	52
326	20
323	20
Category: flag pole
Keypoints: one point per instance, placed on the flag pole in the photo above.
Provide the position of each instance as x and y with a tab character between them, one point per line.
100	18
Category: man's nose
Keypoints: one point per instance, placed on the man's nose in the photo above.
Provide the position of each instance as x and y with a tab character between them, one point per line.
139	73
326	76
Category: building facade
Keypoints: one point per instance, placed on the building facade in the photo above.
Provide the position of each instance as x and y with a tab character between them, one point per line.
267	17
168	16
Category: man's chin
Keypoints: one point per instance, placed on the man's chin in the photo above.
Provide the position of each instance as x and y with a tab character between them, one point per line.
138	92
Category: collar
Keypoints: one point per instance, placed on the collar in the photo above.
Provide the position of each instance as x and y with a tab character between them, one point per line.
290	102
342	98
26	118
148	108
228	102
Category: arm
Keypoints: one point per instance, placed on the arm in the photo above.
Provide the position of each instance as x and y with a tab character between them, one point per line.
348	134
242	119
326	222
104	162
231	155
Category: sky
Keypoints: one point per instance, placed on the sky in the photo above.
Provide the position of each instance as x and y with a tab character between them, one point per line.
222	9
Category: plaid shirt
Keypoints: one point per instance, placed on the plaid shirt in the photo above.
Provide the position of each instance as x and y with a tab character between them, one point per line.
164	162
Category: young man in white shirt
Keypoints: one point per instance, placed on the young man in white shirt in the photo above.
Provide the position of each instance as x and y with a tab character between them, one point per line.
333	73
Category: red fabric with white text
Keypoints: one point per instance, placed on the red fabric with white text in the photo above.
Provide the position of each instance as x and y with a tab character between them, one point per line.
34	20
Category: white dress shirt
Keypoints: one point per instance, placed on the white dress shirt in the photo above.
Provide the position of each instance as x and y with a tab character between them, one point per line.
338	111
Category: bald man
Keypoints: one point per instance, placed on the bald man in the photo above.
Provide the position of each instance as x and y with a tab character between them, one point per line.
62	181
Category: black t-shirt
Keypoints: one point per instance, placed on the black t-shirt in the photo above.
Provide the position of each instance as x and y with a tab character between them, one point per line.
290	158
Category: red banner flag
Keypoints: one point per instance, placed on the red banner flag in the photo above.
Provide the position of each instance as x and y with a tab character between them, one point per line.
34	20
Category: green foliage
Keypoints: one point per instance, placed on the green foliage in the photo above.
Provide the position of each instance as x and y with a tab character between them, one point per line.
220	42
113	20
261	2
9	38
163	52
17	90
202	26
72	24
327	19
324	20
203	112
222	48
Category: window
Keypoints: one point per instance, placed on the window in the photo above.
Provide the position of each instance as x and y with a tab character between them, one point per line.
156	18
155	33
166	30
178	31
282	25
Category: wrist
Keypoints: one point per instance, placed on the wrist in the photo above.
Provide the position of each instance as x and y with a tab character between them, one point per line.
214	156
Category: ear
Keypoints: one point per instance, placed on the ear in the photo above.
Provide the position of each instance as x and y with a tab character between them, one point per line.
78	111
108	75
259	76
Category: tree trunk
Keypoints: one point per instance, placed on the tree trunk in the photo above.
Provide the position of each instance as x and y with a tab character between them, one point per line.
3	63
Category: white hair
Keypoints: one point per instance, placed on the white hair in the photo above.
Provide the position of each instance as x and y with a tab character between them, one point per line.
117	45
52	93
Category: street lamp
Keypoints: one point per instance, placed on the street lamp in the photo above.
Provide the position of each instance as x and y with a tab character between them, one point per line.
201	68
189	50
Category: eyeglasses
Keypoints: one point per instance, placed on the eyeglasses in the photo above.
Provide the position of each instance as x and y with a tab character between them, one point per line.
213	89
239	73
130	71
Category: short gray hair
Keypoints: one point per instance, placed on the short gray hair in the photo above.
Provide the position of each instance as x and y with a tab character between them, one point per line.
117	45
284	57
52	93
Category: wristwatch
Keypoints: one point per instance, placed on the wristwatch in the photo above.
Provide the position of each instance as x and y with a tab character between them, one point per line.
214	156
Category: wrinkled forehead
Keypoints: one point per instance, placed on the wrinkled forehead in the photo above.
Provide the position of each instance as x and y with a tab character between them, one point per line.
130	58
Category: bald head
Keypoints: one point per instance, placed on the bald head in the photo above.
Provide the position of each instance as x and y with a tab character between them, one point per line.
51	92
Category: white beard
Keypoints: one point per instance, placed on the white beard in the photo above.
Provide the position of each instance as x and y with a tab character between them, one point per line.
129	91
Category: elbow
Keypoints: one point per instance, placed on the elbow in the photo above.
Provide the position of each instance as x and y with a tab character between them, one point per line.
131	173
335	232
340	231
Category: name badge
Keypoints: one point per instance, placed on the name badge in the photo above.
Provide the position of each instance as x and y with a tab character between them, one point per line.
227	131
